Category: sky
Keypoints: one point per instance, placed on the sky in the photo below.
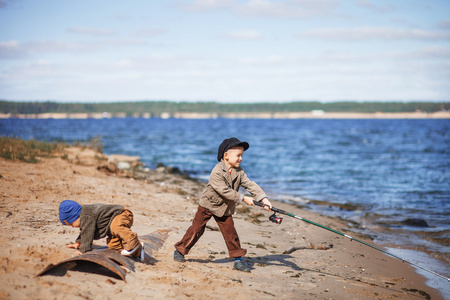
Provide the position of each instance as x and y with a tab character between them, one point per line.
228	51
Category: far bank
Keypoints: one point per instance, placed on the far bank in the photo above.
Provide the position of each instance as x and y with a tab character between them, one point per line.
315	114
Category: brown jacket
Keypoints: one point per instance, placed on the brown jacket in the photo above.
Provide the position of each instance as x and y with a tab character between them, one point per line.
222	192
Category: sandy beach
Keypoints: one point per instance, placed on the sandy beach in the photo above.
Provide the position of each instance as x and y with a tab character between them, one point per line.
324	266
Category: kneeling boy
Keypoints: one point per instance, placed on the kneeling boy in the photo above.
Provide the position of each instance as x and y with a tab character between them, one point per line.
99	220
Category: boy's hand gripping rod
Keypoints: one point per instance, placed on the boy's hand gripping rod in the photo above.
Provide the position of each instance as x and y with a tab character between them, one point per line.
276	210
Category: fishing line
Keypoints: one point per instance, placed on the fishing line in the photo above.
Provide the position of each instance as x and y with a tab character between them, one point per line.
278	220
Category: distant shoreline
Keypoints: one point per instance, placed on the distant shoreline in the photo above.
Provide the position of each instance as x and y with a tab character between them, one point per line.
315	114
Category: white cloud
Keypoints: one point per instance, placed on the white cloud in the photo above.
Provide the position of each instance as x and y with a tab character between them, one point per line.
266	61
9	44
366	33
267	8
10	50
286	9
207	5
444	24
374	7
243	35
14	49
147	32
435	52
91	31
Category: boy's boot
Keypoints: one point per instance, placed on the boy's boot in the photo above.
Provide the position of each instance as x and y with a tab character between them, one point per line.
137	252
241	266
177	256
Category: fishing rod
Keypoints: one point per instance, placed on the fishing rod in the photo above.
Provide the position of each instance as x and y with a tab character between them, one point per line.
278	220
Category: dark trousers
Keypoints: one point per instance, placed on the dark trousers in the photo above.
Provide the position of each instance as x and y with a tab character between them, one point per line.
226	226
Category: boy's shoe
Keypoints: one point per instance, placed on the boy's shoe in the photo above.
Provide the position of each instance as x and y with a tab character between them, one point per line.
128	253
140	255
241	266
177	256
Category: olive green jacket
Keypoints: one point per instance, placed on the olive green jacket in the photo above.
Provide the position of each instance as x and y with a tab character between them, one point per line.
222	192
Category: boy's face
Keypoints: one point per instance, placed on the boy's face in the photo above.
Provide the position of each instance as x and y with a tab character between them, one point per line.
75	223
234	156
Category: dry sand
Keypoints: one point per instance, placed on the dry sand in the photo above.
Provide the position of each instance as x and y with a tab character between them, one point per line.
32	237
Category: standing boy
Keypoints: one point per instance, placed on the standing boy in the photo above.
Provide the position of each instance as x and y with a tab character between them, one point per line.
219	200
99	220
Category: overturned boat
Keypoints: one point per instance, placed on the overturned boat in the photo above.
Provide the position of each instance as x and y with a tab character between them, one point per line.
110	259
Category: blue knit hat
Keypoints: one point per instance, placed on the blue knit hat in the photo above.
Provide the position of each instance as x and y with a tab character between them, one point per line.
69	211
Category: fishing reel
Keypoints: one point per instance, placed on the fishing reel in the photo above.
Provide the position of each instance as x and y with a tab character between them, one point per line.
275	219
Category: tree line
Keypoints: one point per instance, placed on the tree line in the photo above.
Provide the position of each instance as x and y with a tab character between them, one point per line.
158	107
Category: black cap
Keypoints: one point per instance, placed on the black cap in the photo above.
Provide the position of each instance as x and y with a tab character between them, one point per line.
230	143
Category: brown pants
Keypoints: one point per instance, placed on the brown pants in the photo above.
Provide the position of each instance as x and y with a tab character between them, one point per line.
226	226
121	235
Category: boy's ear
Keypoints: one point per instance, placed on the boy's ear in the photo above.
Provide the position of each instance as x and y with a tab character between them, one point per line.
65	222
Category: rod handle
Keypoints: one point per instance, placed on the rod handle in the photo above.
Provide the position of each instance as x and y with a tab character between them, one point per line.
258	203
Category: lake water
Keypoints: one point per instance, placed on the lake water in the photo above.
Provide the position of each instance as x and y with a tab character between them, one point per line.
376	173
